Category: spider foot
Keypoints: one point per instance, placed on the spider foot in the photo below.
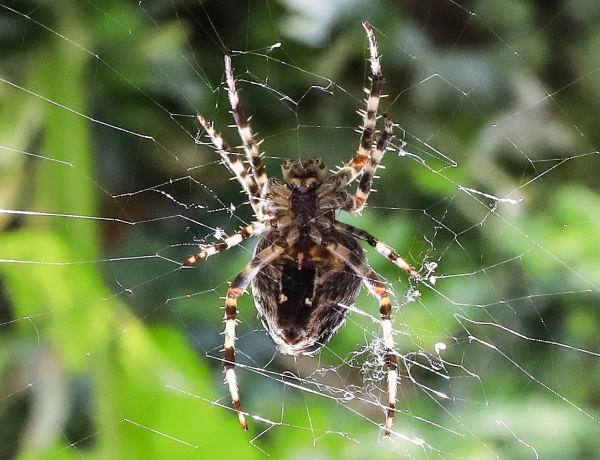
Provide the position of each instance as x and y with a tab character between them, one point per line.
389	422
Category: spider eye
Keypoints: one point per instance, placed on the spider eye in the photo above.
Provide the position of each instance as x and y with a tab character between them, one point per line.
293	183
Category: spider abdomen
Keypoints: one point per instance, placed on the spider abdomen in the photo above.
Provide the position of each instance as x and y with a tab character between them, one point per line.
301	297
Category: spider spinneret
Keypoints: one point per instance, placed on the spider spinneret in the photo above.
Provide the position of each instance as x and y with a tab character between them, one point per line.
308	267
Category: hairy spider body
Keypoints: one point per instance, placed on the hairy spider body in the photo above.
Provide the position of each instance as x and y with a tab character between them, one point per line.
300	296
308	268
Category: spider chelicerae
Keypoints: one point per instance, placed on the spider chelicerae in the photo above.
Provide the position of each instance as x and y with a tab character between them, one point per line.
308	267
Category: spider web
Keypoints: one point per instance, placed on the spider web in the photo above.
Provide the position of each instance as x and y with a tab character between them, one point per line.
110	348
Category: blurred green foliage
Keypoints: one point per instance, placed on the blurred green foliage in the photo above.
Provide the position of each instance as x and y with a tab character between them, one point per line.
108	349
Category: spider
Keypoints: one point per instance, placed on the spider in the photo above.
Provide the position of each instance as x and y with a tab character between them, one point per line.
308	266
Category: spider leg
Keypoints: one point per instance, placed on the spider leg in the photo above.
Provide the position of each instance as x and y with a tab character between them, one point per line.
245	132
366	181
380	247
233	240
378	289
236	166
235	290
349	172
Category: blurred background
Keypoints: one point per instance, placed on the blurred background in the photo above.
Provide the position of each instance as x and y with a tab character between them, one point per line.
109	349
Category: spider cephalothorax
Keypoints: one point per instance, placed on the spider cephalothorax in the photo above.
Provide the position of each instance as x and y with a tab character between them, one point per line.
308	267
303	179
